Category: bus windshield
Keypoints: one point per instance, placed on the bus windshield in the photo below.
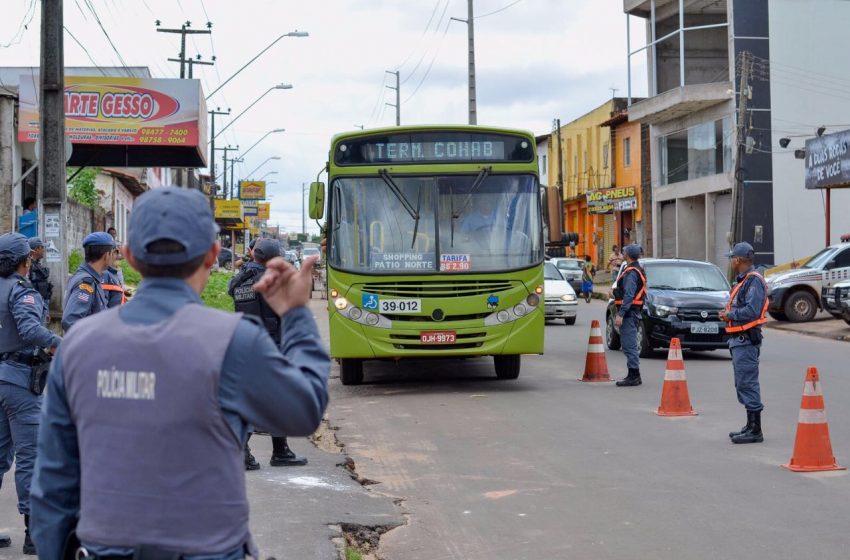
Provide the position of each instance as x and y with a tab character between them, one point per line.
427	224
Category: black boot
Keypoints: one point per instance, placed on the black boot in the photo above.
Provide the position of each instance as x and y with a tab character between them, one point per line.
251	463
743	430
283	456
752	433
29	546
631	380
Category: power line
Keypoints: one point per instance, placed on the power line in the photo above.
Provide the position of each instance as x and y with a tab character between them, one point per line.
23	26
106	34
85	50
425	52
424	32
502	9
428	71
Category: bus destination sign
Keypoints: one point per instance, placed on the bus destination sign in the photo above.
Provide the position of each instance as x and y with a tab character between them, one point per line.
432	147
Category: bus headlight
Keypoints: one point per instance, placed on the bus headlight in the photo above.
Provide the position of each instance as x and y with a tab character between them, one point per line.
334	293
503	316
538	290
340	303
371	319
355	313
519	310
532	300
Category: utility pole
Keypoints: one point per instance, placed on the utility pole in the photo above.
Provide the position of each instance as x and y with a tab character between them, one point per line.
183	31
233	162
557	124
397	104
224	175
744	94
303	215
214	188
52	191
191	62
470	30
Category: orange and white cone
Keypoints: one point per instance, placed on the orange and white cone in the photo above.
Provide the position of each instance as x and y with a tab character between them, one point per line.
595	365
675	400
812	447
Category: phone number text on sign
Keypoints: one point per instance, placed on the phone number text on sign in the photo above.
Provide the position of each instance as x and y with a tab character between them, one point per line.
401	305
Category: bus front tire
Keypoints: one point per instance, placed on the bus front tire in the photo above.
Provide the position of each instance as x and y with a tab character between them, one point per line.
507	367
351	371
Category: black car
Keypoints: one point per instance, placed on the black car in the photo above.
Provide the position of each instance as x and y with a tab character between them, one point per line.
683	300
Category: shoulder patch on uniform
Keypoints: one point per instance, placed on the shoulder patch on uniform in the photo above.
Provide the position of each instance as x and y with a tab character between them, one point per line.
87	287
29	298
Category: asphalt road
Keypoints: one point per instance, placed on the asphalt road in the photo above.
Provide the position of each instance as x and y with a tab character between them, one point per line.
548	467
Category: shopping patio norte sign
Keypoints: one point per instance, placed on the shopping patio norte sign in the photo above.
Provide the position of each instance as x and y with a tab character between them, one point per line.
606	201
125	118
828	161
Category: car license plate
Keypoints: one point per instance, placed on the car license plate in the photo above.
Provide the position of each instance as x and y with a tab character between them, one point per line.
437	337
705	328
401	305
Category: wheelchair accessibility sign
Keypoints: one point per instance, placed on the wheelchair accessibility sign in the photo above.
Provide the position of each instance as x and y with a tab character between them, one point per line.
370	301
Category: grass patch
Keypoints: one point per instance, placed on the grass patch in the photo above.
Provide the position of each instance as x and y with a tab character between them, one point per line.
216	293
75	259
352	554
131	277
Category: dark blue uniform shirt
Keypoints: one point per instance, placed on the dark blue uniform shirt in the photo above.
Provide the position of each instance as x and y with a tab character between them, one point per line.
280	392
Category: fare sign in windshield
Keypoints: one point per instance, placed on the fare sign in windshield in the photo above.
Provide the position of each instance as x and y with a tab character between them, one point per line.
434	147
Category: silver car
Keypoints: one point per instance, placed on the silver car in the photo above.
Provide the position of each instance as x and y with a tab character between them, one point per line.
571	269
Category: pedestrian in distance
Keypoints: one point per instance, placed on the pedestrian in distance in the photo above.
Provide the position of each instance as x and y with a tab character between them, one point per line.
39	275
744	315
588	271
249	302
84	294
149	404
22	333
615	260
629	295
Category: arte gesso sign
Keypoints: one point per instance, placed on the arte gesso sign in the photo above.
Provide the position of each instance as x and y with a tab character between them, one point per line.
129	111
828	161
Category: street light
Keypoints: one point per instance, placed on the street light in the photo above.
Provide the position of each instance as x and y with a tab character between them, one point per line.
262	164
266	135
236	118
267	174
259	54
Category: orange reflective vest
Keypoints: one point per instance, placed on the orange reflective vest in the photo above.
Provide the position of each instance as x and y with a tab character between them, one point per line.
758	322
641	293
115	288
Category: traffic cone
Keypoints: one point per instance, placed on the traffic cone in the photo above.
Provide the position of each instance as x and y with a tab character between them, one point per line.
595	366
812	448
674	394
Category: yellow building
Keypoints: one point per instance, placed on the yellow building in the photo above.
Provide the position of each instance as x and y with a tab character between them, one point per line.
587	165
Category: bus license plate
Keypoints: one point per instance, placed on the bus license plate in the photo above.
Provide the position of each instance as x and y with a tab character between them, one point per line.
437	337
705	328
401	305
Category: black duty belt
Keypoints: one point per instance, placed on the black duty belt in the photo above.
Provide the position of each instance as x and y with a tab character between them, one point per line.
18	357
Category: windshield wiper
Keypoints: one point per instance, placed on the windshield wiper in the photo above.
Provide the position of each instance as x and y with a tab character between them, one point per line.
662	287
414	214
698	289
485	171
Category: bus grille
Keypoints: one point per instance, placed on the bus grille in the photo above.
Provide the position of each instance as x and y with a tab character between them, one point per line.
456	288
429	319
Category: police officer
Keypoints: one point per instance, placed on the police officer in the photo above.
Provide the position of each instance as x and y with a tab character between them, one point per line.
113	284
22	332
40	275
144	390
744	316
247	301
84	294
629	296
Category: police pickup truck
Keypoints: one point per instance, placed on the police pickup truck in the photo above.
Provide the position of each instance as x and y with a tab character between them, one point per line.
795	295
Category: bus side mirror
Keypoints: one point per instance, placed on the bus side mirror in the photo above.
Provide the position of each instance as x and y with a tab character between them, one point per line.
317	200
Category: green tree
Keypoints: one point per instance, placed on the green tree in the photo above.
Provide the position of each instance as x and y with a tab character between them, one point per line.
82	188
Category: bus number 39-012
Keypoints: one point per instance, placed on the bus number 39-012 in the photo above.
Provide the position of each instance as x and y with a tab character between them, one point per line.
400	305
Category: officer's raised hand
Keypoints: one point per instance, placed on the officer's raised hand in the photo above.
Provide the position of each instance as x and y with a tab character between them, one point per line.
285	288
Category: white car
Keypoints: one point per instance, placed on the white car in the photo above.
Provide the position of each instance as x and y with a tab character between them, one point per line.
560	299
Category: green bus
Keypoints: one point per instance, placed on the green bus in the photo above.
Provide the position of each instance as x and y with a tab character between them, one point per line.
434	246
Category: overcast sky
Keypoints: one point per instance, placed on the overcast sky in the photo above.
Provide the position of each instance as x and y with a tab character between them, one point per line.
536	60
